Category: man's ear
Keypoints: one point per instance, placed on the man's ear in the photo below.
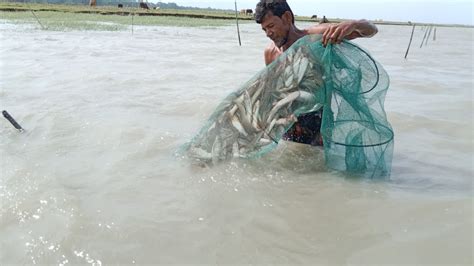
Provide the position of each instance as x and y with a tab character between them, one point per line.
287	17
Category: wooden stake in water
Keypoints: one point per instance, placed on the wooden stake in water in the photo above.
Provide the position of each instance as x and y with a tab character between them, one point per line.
133	14
434	35
429	34
12	121
237	22
422	41
37	19
411	38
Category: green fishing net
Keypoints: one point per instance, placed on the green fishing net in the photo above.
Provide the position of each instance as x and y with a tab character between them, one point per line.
342	79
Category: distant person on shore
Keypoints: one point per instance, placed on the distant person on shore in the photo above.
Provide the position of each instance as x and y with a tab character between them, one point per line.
324	20
278	23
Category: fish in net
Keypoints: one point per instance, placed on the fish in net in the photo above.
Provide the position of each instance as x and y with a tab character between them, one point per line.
342	79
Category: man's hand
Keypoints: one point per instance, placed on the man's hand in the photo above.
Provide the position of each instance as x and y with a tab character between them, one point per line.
349	30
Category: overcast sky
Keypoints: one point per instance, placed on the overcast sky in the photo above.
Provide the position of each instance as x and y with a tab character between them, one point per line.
434	11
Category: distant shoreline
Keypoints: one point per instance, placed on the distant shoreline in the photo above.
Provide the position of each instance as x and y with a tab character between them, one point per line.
191	13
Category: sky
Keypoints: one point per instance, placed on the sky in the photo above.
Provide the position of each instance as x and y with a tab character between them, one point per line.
428	11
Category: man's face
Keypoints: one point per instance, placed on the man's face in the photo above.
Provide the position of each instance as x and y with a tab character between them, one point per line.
276	28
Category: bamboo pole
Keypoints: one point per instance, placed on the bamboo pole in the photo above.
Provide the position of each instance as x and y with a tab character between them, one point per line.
434	35
429	34
237	22
422	41
133	14
12	121
37	19
411	38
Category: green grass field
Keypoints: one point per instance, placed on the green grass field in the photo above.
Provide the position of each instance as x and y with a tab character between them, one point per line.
77	17
201	13
61	21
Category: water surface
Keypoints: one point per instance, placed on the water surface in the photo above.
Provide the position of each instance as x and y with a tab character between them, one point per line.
95	178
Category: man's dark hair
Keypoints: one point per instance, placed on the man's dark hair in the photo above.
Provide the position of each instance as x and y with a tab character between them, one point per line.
277	7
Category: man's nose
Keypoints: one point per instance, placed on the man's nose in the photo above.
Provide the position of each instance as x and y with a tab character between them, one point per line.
269	33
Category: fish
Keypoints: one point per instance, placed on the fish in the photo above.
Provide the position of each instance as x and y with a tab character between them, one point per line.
257	115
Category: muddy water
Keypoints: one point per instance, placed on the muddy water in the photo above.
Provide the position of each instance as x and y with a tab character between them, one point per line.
95	179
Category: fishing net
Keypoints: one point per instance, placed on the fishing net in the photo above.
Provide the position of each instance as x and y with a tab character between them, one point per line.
342	79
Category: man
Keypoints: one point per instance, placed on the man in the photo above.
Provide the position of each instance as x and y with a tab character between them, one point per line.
278	23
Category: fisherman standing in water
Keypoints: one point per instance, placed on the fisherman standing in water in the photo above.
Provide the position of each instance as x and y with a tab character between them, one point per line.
278	23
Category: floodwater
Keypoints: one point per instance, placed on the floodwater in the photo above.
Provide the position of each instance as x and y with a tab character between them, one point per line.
95	179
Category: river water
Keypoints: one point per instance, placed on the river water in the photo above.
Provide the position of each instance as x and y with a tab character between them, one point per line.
95	179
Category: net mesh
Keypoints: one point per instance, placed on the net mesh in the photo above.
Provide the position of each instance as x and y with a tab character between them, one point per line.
342	79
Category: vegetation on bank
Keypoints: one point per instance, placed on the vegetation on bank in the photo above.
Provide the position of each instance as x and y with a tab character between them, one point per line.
113	10
83	17
127	10
61	21
108	18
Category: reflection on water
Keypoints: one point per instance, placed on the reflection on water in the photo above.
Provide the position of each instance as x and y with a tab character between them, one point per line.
95	178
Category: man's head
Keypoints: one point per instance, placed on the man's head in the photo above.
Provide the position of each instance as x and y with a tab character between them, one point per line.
276	19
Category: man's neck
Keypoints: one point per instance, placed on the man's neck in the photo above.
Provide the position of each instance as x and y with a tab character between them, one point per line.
293	35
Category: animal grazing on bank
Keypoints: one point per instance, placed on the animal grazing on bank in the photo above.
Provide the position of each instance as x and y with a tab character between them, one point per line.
247	12
144	5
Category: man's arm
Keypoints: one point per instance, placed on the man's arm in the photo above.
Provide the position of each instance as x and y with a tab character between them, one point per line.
335	33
